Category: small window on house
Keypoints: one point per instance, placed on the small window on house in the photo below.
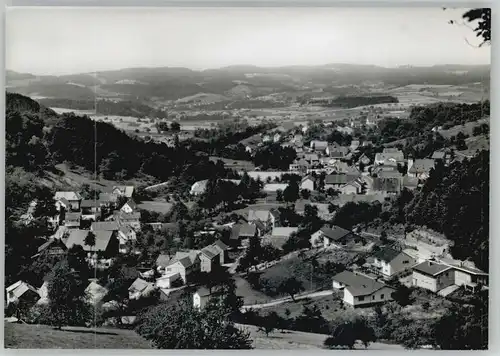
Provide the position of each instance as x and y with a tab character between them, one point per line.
361	299
373	297
381	296
405	262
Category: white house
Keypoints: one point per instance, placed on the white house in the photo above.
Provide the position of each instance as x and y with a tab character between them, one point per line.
140	288
168	280
390	261
21	291
73	198
308	182
433	276
129	207
124	190
360	290
420	168
202	296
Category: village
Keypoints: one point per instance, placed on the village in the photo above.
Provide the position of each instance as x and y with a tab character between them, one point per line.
107	226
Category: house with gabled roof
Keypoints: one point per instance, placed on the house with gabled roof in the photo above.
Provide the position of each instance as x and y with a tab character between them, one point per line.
209	258
337	180
222	250
202	296
243	231
433	276
106	243
91	208
129	207
420	168
318	145
140	288
73	199
22	292
387	185
390	261
72	220
184	263
360	290
308	182
333	236
389	156
53	247
337	152
108	199
268	217
104	226
123	190
131	219
96	292
353	187
127	237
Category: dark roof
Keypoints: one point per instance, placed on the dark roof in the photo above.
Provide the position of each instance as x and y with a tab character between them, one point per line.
386	254
410	181
387	184
438	155
221	245
132	204
73	216
334	233
203	292
422	165
108	197
339	178
339	151
358	284
209	252
308	177
243	230
431	268
139	285
49	243
77	237
163	260
104	226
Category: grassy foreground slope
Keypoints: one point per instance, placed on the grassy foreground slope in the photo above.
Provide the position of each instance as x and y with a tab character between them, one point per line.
24	336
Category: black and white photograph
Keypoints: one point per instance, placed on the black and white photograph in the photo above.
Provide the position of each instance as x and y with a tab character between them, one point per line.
265	178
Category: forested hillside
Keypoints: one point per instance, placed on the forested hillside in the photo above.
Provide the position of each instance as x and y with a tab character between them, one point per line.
455	202
34	147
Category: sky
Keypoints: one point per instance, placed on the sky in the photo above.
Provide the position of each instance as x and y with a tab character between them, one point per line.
56	41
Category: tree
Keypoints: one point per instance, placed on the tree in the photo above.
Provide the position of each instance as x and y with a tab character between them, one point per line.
90	240
279	195
180	326
67	298
291	192
305	193
291	286
175	126
483	18
347	333
271	322
402	295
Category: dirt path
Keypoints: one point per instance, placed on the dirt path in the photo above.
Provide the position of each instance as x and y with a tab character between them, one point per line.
287	299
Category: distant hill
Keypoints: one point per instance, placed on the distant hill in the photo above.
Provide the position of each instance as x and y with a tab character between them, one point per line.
173	83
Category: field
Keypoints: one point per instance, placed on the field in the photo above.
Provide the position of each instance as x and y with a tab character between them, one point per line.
289	339
466	129
157	206
23	336
250	295
235	164
75	179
